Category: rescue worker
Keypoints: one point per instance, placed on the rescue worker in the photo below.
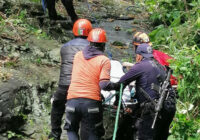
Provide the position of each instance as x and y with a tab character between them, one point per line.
161	57
90	74
81	29
145	72
68	4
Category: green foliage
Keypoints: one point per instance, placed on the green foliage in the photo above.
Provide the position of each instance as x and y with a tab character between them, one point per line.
21	21
37	1
187	64
181	40
11	134
38	61
177	32
24	116
10	64
108	2
169	11
185	126
2	25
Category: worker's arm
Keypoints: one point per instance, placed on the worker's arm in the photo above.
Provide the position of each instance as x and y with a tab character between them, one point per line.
127	65
131	75
107	85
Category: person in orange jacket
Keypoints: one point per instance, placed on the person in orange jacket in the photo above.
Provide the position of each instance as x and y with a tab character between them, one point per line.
81	29
90	74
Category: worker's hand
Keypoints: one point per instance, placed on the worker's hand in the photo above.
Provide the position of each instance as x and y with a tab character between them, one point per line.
127	65
128	110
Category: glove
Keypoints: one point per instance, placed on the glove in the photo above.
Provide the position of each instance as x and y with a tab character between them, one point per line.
115	86
108	86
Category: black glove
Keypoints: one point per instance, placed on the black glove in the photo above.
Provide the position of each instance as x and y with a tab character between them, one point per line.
112	86
115	86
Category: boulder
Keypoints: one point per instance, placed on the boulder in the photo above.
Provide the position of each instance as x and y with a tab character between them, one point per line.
14	103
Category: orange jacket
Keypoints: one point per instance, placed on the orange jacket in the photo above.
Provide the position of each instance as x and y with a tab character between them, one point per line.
86	75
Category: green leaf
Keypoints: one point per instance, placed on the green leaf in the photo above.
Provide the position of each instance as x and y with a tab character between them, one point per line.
197	23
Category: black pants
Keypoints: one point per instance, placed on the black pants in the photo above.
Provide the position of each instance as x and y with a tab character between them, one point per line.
58	109
125	129
126	124
68	4
87	113
163	123
145	120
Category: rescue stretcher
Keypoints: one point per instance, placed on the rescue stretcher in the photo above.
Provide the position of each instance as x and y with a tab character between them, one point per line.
109	99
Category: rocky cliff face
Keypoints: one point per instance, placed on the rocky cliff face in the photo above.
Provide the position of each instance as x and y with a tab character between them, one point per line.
23	106
29	71
14	99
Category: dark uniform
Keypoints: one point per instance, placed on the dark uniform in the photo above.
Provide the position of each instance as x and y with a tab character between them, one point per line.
58	107
68	6
145	73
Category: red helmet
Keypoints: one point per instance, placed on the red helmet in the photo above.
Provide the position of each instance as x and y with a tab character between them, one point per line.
97	35
141	37
82	27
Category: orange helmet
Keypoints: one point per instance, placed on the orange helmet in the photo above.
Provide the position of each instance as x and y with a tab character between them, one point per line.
97	35
82	27
141	37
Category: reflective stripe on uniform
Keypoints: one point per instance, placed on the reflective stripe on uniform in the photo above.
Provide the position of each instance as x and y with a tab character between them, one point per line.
93	110
70	109
99	124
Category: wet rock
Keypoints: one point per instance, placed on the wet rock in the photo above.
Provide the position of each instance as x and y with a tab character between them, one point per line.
3	138
38	53
15	55
13	102
55	55
103	9
24	105
2	4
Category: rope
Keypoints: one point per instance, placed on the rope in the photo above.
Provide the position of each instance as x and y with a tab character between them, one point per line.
118	111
